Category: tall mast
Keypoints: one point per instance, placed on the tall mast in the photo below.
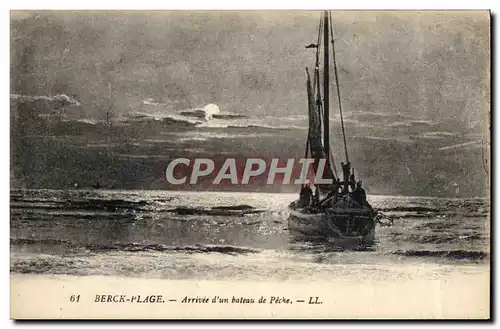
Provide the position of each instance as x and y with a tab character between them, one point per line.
338	95
326	95
346	167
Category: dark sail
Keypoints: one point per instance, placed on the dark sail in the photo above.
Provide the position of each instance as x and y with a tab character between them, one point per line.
315	136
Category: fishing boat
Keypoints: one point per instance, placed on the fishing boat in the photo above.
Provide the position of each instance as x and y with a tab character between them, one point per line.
337	210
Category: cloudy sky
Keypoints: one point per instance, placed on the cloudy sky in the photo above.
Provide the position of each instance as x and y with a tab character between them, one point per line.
414	88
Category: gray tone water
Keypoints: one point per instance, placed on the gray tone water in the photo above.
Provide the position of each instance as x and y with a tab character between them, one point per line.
244	236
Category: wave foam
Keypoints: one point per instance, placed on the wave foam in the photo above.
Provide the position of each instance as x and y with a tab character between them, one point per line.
240	210
136	247
452	254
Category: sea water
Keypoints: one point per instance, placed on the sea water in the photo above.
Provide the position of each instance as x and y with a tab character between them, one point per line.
240	236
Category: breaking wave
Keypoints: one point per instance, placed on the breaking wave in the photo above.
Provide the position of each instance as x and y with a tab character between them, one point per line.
137	247
87	204
415	209
217	211
449	254
438	238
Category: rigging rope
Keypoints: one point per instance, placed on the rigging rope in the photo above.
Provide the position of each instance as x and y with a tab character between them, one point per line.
338	89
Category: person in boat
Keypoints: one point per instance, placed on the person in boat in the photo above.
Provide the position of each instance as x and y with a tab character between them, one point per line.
345	169
338	185
359	194
306	195
352	181
315	199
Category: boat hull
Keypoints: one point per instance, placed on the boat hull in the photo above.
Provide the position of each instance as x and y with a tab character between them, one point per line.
350	228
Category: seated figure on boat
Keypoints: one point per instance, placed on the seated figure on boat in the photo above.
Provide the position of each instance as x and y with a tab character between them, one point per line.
315	199
306	196
352	181
359	194
338	187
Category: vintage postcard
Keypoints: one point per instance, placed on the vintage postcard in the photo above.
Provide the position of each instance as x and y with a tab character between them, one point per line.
250	164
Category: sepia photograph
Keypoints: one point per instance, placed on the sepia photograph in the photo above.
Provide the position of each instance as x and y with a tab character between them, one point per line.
272	164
